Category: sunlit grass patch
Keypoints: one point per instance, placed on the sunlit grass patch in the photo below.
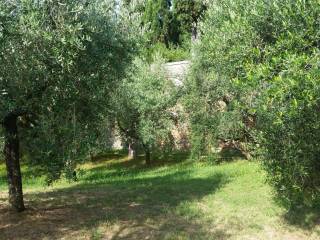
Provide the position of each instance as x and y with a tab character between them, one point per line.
118	198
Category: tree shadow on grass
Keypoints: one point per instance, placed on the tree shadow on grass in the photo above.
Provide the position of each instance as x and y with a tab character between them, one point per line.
124	167
132	208
299	214
303	217
108	156
156	161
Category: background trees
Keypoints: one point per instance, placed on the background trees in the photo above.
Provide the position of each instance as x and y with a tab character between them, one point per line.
169	26
188	14
142	107
160	21
58	64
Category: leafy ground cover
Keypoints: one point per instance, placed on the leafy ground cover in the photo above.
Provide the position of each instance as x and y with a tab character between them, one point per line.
117	198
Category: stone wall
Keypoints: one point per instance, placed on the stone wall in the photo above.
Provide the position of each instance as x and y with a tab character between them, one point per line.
177	71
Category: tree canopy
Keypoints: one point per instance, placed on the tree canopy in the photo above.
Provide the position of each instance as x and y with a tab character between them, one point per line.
260	61
143	106
58	64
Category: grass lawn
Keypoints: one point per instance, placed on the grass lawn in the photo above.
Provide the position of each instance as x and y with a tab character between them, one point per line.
119	199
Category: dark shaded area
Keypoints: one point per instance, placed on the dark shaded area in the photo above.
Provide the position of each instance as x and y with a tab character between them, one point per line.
98	175
11	153
121	193
225	156
303	217
139	163
108	155
133	202
230	154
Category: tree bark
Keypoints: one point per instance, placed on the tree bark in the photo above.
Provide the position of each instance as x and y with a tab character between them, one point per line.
148	155
12	158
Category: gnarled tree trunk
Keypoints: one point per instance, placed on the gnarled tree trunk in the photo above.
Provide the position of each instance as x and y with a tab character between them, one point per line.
12	158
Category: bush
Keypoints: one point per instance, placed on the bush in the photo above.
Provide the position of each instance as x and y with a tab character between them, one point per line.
291	131
262	58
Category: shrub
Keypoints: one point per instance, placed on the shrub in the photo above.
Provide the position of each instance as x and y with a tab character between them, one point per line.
261	58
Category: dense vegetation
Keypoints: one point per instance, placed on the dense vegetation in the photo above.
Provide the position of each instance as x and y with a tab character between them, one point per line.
73	73
255	80
58	65
169	26
142	107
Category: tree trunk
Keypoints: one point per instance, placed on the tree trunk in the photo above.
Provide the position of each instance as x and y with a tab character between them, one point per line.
148	155
132	151
12	158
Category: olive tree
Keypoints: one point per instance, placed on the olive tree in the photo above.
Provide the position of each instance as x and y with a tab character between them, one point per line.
59	61
143	106
261	58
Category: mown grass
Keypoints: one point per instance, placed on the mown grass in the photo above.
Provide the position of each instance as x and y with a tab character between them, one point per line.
115	198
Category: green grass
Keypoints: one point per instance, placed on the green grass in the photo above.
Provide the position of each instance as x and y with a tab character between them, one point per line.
119	199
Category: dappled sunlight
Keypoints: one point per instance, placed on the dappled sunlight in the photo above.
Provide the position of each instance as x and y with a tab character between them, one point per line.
134	205
186	200
103	162
159	119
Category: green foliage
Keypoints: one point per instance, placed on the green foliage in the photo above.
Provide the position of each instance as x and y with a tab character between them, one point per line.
291	129
171	54
213	115
188	14
143	103
160	21
169	25
262	59
58	63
